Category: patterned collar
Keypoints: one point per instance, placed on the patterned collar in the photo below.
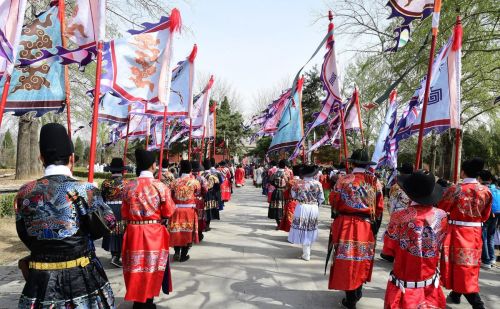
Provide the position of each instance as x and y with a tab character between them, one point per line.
470	180
184	175
146	174
57	170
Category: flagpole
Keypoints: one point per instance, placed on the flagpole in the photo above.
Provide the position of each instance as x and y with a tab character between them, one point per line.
344	138
147	133
202	143
62	12
190	131
5	92
359	117
125	148
435	26
457	155
215	127
163	133
302	119
95	115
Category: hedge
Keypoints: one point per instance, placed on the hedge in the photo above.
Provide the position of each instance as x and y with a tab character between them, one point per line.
85	174
7	204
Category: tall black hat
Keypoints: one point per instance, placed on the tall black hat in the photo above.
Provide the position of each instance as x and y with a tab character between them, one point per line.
282	163
272	163
116	166
297	170
405	168
55	143
212	161
165	163
222	163
360	157
144	159
421	187
473	166
195	166
207	164
185	167
310	170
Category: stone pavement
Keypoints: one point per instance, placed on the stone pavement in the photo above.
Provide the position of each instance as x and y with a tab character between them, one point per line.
245	263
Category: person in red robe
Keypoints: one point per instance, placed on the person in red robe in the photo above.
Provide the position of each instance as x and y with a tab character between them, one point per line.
291	203
468	205
145	205
358	202
225	187
414	239
239	176
183	226
200	198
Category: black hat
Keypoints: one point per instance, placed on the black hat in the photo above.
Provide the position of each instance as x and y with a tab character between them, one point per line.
195	166
272	163
165	163
282	163
212	161
473	166
55	143
297	170
405	168
185	167
222	163
360	157
207	164
144	159
115	166
310	170
421	187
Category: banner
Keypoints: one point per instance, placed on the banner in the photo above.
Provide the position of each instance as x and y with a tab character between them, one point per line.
408	10
199	113
137	68
87	24
11	23
181	90
443	109
111	111
38	88
290	130
379	155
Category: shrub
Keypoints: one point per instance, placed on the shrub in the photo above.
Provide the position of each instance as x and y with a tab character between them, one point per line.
7	204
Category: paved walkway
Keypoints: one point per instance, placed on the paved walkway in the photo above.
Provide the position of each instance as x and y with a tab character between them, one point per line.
245	263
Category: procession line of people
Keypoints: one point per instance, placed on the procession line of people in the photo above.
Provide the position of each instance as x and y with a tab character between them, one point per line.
433	237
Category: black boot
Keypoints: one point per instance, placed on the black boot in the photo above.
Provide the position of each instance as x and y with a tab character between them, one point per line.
184	254
115	261
150	304
453	298
177	253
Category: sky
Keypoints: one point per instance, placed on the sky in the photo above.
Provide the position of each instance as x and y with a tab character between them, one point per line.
252	45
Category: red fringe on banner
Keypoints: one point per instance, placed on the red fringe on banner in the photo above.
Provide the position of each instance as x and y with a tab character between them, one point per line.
175	20
192	56
457	37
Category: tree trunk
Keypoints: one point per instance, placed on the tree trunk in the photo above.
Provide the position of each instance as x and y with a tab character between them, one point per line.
23	148
433	153
35	164
447	153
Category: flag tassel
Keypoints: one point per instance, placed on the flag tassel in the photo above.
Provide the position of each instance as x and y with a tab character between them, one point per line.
95	115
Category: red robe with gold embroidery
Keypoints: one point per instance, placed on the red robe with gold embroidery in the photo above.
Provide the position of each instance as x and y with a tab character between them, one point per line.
145	246
356	197
239	177
183	226
414	238
225	187
466	202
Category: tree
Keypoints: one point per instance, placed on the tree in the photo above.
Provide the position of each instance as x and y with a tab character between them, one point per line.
79	150
374	70
261	147
230	127
7	152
